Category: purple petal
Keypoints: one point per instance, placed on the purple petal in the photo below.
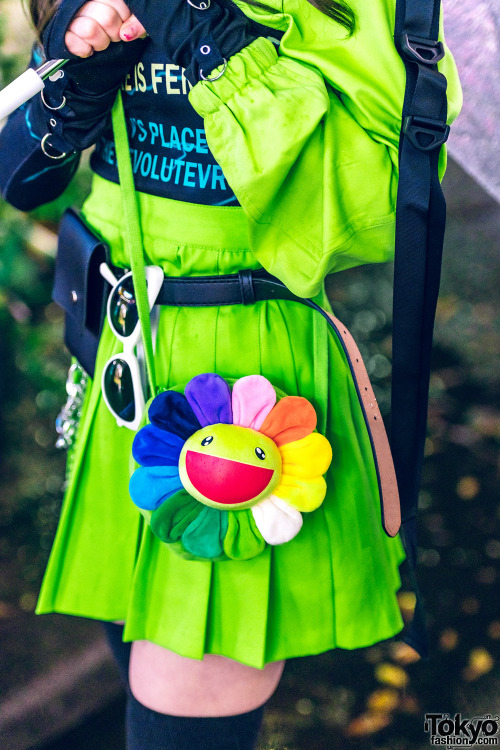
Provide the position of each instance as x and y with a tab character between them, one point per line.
210	398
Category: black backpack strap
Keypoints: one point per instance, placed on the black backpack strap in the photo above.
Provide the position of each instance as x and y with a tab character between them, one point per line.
420	222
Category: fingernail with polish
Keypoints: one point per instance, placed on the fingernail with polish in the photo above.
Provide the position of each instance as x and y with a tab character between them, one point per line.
128	34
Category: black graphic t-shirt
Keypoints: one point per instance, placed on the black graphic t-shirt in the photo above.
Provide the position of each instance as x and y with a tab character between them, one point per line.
168	147
169	152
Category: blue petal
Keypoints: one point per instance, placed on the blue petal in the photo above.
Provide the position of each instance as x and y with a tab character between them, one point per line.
170	411
155	447
210	398
150	486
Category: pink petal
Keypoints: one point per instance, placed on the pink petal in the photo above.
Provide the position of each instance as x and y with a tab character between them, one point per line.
253	398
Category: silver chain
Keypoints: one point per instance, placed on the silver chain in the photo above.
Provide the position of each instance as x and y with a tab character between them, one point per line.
69	416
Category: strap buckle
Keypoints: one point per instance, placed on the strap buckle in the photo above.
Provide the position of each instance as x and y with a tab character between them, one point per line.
424	133
245	279
423	51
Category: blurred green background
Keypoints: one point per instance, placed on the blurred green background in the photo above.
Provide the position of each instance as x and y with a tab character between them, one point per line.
375	697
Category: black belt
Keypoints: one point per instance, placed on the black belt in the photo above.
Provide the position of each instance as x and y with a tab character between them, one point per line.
242	288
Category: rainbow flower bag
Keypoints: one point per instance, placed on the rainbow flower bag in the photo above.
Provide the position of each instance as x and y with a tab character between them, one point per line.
224	471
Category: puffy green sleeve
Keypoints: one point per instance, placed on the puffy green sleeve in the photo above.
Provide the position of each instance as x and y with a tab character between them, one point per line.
307	137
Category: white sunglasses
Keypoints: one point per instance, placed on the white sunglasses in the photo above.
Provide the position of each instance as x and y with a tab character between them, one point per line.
123	376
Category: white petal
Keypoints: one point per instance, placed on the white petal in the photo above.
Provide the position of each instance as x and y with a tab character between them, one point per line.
277	521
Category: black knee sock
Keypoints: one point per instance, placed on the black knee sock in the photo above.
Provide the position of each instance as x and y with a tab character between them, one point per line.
120	650
150	730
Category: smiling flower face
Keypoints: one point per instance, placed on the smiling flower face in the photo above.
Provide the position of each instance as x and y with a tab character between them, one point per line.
223	472
228	466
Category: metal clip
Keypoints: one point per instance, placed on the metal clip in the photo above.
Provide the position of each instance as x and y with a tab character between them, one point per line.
53	109
43	145
202	6
214	78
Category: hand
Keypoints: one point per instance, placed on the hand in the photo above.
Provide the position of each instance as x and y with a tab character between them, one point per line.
90	81
100	22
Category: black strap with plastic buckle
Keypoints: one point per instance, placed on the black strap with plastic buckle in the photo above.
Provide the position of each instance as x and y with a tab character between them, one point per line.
423	51
420	222
424	133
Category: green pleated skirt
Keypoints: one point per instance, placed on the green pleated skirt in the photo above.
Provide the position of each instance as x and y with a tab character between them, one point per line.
334	585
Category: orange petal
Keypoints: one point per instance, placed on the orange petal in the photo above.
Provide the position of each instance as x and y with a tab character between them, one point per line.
291	419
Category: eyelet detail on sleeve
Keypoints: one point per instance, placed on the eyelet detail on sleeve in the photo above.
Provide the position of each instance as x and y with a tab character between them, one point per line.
57	75
204	5
44	144
214	78
53	109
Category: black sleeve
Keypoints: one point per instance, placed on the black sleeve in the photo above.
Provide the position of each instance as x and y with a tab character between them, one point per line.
28	178
80	98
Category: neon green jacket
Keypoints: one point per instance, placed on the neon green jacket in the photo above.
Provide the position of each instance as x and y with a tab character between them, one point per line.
308	136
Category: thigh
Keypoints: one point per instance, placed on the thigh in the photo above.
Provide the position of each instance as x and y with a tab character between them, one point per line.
214	686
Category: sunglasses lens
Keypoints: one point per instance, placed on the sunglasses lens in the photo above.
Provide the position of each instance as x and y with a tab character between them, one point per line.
123	308
119	389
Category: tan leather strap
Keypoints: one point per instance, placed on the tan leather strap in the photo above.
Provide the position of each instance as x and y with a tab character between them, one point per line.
389	496
248	287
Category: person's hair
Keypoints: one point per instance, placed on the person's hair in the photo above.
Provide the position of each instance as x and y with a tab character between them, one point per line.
338	11
41	11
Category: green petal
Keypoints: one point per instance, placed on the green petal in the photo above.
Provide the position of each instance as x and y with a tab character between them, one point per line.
178	548
204	535
171	519
243	539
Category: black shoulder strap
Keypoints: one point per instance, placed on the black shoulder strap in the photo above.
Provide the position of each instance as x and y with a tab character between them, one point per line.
420	222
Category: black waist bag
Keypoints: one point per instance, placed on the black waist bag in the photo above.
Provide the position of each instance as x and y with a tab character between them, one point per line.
79	287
